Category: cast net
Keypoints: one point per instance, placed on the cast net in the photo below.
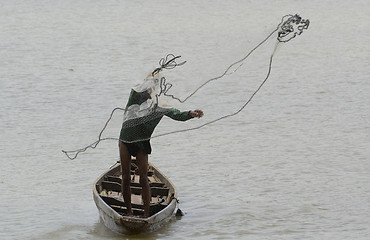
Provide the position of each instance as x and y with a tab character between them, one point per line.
152	98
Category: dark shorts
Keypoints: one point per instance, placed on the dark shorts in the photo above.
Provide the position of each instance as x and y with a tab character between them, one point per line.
133	148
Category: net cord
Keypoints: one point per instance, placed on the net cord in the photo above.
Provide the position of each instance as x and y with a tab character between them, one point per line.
167	64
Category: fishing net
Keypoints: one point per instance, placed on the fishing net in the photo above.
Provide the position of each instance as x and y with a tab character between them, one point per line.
152	98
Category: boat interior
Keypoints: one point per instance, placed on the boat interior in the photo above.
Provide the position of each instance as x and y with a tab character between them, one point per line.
109	189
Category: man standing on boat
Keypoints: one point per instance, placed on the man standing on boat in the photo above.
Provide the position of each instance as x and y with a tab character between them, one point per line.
142	115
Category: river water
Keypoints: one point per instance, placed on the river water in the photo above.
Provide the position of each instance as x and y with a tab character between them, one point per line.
294	164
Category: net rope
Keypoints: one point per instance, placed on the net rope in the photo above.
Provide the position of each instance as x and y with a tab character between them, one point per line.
289	27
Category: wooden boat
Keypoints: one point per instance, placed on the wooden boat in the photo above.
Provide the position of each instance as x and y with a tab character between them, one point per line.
112	210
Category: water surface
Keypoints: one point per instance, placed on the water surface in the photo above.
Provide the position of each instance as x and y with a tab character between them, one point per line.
294	164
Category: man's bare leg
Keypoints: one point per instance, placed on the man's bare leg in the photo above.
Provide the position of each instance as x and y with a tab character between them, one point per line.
125	157
142	162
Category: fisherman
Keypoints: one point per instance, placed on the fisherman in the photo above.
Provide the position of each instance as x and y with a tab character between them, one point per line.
141	116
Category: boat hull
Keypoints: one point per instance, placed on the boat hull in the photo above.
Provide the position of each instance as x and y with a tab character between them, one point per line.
120	223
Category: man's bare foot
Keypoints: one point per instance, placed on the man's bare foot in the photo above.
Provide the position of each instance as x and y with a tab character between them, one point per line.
129	213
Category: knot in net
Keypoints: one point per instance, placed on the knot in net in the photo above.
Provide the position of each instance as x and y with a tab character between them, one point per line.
291	26
169	62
